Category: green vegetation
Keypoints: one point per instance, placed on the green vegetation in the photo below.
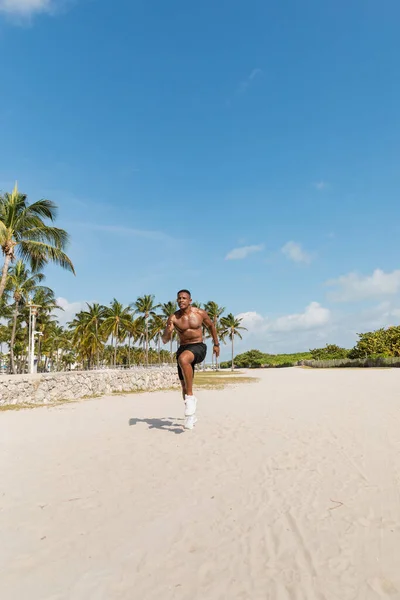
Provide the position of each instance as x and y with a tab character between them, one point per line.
24	232
253	359
380	348
382	342
330	352
371	361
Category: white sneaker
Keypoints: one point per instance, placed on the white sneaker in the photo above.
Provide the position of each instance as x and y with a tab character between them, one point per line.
190	405
190	422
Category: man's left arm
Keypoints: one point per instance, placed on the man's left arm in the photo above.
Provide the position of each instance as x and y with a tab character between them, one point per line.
211	328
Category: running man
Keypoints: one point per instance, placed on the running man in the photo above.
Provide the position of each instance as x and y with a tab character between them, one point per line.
188	322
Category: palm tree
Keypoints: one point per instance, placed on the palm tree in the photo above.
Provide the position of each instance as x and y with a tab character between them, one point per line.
23	231
59	341
137	332
145	306
93	318
168	309
45	299
22	283
117	321
4	339
214	312
231	327
78	327
156	328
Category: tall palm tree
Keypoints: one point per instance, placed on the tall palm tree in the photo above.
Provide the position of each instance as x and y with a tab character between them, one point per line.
23	231
215	313
22	283
231	328
45	299
145	306
156	328
78	327
117	321
59	341
168	309
137	332
93	318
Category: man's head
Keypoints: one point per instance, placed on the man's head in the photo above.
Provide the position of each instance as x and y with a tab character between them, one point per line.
184	299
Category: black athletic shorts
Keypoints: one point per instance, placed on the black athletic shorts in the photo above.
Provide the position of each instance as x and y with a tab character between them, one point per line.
199	351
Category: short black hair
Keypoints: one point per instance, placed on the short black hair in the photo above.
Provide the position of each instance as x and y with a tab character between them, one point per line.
184	292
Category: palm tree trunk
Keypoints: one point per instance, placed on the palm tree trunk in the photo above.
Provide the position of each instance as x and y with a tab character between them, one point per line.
20	362
98	349
4	274
159	350
39	350
232	366
115	349
216	357
147	340
129	350
12	341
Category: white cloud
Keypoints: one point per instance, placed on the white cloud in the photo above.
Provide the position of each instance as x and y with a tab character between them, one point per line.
354	287
243	252
320	185
70	310
26	8
313	317
289	333
252	321
294	251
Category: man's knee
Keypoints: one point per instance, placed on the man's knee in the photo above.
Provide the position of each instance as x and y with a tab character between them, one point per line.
183	361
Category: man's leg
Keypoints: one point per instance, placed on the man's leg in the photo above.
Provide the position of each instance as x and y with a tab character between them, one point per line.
186	360
183	388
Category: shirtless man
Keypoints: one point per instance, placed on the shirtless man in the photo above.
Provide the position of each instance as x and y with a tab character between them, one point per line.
188	322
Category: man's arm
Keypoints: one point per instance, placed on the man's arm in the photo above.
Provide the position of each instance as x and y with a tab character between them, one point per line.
169	330
211	328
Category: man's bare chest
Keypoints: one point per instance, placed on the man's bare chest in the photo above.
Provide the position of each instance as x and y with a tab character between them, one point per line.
188	322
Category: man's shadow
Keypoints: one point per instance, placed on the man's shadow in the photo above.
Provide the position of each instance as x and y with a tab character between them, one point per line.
163	424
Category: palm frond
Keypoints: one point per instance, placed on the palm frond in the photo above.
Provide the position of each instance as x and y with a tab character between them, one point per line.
43	233
38	254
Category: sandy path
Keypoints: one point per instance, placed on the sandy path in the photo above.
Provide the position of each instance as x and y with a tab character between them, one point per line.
288	489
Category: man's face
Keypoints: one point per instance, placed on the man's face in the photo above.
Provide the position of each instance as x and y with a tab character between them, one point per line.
184	300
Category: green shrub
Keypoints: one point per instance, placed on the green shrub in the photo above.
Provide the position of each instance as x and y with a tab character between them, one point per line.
377	361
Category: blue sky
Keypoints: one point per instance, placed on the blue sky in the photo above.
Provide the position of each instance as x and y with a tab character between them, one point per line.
246	150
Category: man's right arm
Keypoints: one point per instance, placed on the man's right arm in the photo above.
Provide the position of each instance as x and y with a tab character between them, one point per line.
168	331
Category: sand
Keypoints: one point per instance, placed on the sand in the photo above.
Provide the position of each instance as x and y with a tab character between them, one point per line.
288	489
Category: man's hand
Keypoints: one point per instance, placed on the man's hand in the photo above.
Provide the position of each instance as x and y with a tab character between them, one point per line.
168	331
213	332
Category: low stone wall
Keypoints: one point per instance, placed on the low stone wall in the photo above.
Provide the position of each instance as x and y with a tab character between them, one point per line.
46	388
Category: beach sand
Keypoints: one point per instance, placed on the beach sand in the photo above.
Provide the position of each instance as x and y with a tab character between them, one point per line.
287	489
